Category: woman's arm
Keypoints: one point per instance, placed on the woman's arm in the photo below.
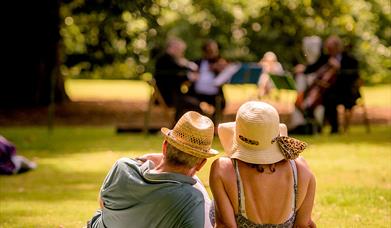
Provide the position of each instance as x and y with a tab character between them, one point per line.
224	212
303	218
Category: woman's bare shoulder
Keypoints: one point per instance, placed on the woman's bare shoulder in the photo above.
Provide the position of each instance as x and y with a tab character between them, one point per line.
304	169
222	162
222	165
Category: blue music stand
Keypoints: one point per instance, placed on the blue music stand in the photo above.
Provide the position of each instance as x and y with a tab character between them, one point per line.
248	73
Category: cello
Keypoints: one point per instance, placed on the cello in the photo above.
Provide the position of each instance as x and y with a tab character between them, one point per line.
325	77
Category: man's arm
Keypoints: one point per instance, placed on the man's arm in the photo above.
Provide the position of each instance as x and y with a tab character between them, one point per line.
323	59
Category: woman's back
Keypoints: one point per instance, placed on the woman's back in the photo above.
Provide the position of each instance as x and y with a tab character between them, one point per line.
269	197
263	182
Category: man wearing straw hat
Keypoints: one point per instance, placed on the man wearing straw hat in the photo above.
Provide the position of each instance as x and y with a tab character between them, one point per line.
138	193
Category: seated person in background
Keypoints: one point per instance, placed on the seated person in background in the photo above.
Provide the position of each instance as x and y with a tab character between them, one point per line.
171	74
204	87
336	81
10	162
139	193
269	64
300	124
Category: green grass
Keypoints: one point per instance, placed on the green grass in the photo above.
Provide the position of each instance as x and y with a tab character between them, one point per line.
353	171
353	174
139	91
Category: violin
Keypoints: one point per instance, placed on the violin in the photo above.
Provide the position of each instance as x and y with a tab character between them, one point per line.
218	65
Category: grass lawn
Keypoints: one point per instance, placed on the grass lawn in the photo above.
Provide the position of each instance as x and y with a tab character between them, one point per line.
353	171
353	175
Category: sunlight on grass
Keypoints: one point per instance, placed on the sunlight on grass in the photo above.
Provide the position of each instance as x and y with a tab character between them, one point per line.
82	90
240	93
379	95
132	90
353	174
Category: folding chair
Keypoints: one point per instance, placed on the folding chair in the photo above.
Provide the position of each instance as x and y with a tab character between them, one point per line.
156	97
347	115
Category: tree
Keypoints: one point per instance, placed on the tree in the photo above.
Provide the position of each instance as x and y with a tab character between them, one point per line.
119	39
31	55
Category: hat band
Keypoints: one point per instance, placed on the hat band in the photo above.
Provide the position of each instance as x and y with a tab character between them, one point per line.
248	141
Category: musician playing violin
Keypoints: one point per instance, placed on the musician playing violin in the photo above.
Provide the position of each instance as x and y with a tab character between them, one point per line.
211	64
336	82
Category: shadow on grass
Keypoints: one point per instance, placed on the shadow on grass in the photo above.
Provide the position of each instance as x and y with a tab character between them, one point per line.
37	142
379	135
68	140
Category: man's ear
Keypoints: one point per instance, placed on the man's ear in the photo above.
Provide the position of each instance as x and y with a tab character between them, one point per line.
201	164
164	147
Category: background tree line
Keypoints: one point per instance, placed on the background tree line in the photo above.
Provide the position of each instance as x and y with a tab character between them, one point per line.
121	39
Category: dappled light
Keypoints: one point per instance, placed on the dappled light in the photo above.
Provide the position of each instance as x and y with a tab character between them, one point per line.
88	82
256	26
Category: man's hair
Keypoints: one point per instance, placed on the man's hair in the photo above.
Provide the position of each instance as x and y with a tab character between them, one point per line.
208	43
172	41
335	41
177	157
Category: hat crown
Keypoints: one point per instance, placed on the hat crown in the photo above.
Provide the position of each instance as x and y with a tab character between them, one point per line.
195	130
257	123
193	134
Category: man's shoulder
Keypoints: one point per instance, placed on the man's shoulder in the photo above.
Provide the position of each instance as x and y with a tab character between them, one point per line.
164	58
190	190
126	162
348	58
188	196
127	166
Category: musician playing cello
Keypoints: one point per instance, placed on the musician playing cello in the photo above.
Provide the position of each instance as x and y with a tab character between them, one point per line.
336	82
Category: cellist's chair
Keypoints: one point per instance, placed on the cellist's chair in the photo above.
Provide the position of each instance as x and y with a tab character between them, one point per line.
347	115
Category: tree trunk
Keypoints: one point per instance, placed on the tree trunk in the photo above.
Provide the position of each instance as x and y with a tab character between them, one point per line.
32	55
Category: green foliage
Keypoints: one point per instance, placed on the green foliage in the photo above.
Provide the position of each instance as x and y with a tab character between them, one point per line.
101	36
353	175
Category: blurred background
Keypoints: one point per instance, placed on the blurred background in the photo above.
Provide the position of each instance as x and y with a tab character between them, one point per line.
51	41
82	66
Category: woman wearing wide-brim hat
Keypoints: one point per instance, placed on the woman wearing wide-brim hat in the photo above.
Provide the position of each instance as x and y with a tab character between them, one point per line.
262	182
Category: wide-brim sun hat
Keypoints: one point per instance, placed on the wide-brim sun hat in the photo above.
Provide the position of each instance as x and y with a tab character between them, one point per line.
257	136
192	134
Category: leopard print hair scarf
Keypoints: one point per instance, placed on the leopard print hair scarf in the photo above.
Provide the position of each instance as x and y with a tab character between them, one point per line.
290	147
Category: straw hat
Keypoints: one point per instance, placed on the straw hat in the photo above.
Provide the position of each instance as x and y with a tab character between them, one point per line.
192	134
257	136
